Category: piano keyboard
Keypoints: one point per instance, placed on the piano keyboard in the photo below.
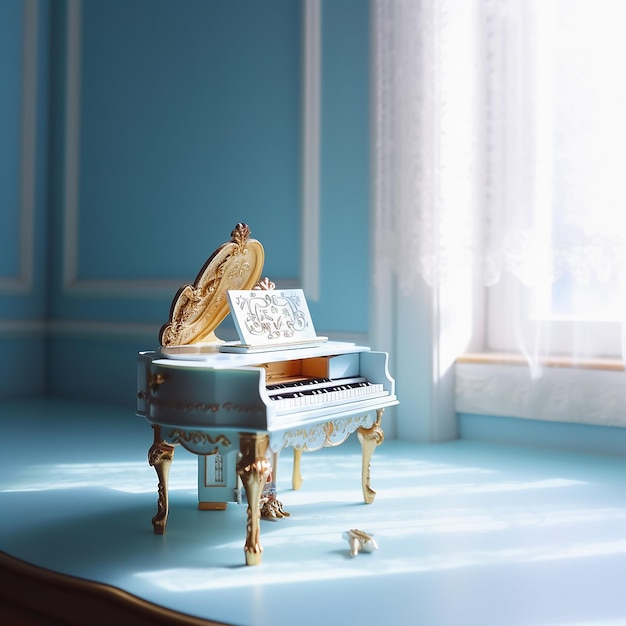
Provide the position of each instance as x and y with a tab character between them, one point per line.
321	391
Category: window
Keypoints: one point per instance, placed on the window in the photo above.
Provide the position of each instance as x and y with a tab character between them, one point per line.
556	169
498	163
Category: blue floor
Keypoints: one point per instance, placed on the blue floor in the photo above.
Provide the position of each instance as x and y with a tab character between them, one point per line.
468	533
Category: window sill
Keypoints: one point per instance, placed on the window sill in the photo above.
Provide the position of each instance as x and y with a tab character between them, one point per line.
589	391
496	358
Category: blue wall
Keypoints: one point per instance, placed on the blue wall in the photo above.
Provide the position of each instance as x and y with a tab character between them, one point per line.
189	123
162	123
345	163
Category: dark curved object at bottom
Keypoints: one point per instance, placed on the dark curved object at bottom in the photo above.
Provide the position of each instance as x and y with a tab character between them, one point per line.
31	595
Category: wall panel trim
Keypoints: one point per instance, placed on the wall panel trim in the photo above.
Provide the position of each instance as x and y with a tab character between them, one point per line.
99	328
21	328
72	146
311	133
23	282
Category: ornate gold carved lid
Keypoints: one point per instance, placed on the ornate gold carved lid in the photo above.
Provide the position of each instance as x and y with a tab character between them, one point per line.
198	309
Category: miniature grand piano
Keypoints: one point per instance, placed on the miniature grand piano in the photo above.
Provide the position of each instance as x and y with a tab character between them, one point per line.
237	408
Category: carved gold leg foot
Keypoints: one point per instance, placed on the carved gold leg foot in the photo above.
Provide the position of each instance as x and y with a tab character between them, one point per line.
160	457
296	476
253	468
369	438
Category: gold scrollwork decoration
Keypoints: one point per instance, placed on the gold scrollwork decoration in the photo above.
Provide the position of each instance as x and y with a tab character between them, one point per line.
191	438
156	381
327	434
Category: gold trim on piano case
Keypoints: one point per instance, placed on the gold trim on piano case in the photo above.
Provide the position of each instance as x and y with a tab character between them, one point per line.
326	434
198	309
198	437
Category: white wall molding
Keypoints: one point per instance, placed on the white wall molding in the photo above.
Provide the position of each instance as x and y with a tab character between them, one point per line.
99	328
72	146
23	282
117	330
79	328
311	140
21	328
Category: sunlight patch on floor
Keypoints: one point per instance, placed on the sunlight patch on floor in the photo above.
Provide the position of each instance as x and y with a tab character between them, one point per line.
198	579
578	550
320	529
183	580
549	483
603	622
425	491
130	477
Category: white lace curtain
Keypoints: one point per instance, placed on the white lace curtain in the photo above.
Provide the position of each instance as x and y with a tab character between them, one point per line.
425	139
501	145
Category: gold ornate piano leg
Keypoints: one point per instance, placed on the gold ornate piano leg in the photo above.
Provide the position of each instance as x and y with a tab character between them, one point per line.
253	468
296	475
369	438
275	466
160	457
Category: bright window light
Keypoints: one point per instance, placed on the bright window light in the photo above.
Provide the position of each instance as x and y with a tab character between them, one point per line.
580	134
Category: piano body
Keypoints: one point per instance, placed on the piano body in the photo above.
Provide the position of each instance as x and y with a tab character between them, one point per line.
238	411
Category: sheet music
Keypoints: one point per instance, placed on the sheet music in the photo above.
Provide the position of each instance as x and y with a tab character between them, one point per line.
271	319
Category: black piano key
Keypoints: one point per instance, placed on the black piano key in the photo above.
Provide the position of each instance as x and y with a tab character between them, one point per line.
321	390
298	383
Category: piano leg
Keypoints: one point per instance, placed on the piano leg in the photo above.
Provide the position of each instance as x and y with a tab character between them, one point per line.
296	475
370	438
253	468
160	457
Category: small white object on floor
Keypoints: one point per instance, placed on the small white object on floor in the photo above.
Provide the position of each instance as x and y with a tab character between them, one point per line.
359	541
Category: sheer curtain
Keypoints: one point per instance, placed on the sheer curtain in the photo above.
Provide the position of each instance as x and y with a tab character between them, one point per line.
500	167
427	104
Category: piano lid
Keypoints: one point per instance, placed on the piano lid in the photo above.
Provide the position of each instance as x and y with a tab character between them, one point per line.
198	309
